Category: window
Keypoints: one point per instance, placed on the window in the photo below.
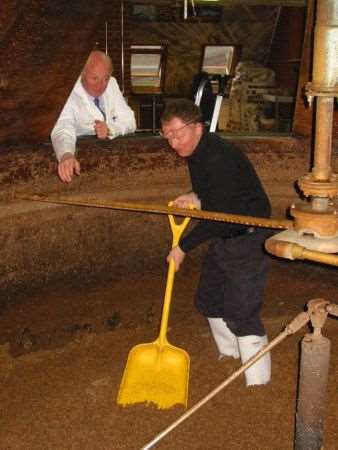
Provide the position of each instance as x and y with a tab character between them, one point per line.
220	59
147	68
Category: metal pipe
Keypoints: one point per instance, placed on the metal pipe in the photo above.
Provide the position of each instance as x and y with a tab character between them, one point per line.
324	84
323	139
313	378
293	251
325	61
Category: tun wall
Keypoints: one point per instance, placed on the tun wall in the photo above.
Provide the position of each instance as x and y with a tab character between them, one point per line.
41	242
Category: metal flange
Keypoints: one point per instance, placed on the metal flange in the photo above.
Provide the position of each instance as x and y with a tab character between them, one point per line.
320	90
312	91
317	223
312	187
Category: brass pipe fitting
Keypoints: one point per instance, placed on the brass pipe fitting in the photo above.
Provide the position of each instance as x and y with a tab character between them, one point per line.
293	251
318	313
322	223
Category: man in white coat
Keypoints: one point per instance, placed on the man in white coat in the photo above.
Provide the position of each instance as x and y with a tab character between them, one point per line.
95	106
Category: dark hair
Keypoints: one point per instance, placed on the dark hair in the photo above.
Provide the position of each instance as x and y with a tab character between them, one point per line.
183	109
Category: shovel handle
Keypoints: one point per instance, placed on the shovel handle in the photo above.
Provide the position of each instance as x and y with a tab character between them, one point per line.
177	229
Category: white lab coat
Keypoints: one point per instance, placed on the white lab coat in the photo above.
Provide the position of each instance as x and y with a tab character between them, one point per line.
79	114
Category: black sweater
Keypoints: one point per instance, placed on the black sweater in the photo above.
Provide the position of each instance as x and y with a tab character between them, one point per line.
225	181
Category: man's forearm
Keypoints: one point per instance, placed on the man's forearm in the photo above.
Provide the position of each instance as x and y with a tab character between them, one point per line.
63	144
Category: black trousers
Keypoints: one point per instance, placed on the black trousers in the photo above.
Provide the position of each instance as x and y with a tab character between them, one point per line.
232	282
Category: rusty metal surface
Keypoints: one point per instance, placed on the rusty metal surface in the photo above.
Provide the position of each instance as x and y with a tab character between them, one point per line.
325	66
310	186
322	223
317	309
320	216
323	139
315	358
261	222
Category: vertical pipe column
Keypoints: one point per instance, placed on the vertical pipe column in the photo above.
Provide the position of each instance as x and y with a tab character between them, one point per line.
311	404
325	58
323	139
325	80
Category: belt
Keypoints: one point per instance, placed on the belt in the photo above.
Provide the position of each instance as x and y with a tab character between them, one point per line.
234	234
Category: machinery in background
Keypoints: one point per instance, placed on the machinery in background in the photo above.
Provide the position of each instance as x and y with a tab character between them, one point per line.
213	82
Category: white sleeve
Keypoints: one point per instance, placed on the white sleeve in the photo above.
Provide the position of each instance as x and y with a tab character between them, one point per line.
63	135
123	119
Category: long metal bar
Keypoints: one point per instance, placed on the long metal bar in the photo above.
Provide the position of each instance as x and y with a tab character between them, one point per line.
159	209
298	322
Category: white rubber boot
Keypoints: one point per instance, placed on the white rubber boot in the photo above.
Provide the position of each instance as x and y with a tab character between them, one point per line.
260	372
225	340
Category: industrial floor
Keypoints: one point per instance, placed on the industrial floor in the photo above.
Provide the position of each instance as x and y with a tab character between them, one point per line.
63	350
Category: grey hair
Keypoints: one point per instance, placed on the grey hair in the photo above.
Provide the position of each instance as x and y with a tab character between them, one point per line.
97	55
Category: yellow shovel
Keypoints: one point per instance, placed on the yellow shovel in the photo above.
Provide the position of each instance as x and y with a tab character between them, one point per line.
158	372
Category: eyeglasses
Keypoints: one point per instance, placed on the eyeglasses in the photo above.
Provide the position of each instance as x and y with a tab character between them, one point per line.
176	134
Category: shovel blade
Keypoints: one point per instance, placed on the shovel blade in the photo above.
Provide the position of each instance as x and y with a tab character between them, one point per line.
156	374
